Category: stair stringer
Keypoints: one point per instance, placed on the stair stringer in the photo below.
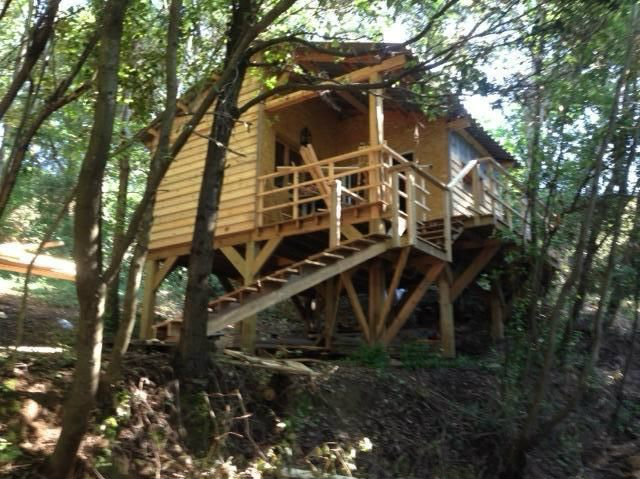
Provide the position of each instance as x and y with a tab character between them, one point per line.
296	284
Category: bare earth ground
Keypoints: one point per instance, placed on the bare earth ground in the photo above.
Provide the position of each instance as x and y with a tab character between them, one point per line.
394	422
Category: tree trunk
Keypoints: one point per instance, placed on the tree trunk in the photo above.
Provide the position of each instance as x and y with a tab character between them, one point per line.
90	284
129	307
193	340
517	454
112	309
125	327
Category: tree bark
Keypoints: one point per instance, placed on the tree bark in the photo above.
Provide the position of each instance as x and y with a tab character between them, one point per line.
193	340
90	284
112	309
125	327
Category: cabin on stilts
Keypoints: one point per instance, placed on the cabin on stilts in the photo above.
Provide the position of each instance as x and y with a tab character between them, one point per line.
354	194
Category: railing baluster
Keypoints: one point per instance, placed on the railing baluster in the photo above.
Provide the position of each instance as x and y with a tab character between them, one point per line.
395	208
411	207
296	195
260	205
447	223
335	213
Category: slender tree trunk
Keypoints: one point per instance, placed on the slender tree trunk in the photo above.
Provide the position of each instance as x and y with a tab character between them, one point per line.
630	354
90	283
517	454
112	310
25	289
38	39
125	327
129	307
193	340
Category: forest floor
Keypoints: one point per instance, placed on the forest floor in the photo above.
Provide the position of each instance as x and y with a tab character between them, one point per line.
414	415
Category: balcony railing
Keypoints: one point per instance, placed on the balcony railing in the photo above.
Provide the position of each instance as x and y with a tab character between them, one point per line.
408	195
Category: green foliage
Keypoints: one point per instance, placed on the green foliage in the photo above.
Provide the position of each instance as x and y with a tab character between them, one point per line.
415	355
9	450
375	356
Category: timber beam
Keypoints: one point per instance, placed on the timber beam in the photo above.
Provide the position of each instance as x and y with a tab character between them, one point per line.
481	260
155	272
356	76
412	300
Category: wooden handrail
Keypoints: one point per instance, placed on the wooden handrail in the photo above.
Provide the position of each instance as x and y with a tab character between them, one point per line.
462	173
345	156
314	181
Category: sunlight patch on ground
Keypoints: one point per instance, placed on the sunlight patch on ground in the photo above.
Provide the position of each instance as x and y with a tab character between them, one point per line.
34	349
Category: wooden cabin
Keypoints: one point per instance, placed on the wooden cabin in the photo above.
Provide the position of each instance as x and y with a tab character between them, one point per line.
356	194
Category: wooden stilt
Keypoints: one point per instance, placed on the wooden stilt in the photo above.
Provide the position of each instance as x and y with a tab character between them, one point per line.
468	275
447	325
391	292
412	301
248	325
148	299
332	297
497	311
356	306
376	298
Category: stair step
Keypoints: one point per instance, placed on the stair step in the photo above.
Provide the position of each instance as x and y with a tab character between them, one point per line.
227	299
274	279
345	247
313	262
332	255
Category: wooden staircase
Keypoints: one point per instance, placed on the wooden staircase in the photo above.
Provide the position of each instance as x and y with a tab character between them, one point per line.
293	279
432	232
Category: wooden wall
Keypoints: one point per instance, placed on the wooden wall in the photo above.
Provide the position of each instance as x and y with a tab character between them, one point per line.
430	146
175	210
331	134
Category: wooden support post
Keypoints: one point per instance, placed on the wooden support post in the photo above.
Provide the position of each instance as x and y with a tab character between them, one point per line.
391	292
497	311
260	203
248	325
492	187
332	297
411	301
477	265
148	299
411	208
395	209
355	305
376	137
164	270
265	253
376	297
335	213
448	240
476	186
447	325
